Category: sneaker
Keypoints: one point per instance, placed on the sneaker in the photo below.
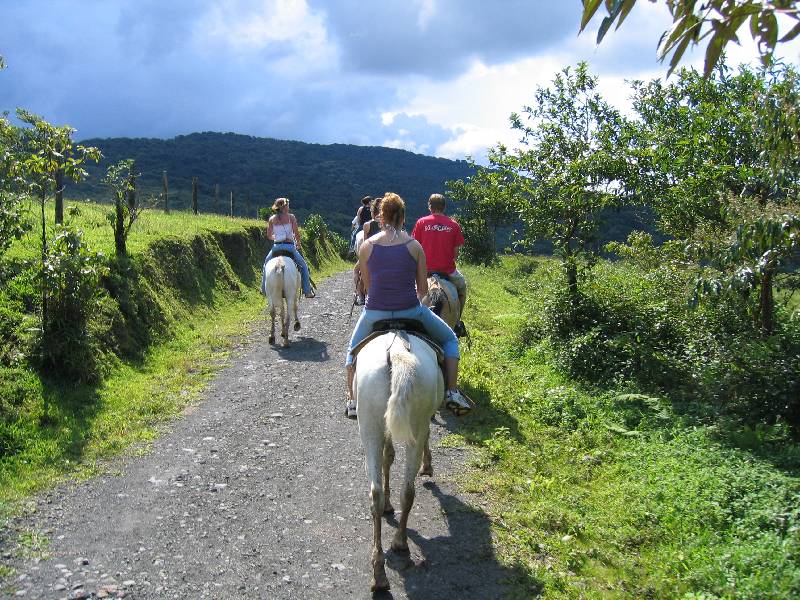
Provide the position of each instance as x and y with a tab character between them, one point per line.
457	402
310	294
350	411
460	329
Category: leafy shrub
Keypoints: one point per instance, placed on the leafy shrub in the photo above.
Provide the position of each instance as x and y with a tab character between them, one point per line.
479	244
71	278
626	325
20	391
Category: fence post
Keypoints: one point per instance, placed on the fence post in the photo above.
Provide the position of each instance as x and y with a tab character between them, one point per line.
132	188
231	214
194	195
166	192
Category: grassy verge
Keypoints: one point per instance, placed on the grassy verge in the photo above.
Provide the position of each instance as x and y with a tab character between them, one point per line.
165	323
598	492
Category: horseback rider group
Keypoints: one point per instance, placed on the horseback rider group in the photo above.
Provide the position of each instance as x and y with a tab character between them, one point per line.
394	269
391	275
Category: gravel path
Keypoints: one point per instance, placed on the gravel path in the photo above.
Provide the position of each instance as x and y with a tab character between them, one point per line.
259	491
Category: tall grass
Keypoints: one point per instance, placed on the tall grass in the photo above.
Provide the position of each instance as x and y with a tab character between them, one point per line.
608	491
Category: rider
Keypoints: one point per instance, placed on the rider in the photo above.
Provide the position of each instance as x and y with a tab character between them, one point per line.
371	228
362	216
441	237
282	230
391	264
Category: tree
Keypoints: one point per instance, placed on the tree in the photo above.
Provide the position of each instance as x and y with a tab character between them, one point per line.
48	149
121	178
483	205
569	170
723	184
718	21
12	186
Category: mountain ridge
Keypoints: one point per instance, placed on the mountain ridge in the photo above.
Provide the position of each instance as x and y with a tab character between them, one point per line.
329	179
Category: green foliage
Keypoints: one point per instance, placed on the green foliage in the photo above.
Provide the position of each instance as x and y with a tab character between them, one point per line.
483	205
617	491
715	20
71	275
325	179
318	240
19	410
563	179
121	178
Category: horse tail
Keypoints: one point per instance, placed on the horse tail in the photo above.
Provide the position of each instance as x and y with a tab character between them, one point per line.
402	366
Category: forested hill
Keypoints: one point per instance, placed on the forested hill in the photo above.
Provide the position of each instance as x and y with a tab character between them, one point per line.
327	179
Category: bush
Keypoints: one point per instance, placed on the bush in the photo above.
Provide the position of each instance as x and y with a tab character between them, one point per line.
626	326
479	245
20	391
71	278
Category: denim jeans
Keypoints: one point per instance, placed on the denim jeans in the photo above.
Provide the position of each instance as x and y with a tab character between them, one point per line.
436	328
304	277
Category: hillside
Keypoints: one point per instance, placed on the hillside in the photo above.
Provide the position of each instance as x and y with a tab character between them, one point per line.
327	179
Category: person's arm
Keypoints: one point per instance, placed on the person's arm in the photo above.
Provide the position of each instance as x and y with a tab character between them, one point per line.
363	256
422	271
366	229
297	242
270	232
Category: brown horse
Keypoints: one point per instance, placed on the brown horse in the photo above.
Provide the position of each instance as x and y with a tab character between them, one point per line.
442	298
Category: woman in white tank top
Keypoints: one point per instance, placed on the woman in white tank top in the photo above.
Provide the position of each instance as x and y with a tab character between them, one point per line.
282	230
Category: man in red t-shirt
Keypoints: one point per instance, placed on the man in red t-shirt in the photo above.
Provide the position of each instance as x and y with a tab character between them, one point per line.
441	237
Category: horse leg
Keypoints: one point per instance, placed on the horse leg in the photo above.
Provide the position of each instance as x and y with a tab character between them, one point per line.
272	322
413	460
296	318
379	579
284	324
427	467
388	460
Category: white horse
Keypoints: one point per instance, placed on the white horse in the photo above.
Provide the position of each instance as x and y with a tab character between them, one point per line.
282	282
397	390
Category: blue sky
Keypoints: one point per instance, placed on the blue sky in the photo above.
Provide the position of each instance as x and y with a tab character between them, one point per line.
438	77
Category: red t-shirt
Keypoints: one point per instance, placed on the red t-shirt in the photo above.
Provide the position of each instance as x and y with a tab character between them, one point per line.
439	236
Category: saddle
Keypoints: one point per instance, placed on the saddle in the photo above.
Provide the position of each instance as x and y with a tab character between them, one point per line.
403	328
283	252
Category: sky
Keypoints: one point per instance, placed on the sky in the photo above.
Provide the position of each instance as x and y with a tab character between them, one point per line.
437	77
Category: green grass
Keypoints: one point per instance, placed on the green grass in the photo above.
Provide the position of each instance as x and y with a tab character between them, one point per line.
70	429
152	225
599	492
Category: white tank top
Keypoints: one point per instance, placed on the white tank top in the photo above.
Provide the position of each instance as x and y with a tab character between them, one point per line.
283	232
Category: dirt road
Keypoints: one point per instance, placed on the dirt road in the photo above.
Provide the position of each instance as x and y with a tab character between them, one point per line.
259	491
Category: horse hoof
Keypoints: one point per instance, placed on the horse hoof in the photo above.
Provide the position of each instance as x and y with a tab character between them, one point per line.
297	326
272	339
388	509
427	472
399	548
379	586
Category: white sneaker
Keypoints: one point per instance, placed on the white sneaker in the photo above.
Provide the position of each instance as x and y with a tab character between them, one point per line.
350	411
457	402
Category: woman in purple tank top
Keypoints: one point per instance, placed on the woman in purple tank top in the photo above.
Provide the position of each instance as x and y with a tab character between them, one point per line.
392	266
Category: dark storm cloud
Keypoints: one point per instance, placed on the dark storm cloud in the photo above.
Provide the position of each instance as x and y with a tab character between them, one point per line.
156	68
407	38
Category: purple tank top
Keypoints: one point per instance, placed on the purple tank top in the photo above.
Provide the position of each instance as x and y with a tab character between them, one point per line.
392	278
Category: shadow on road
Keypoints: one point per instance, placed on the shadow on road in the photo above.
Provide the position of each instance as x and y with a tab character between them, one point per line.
304	349
461	564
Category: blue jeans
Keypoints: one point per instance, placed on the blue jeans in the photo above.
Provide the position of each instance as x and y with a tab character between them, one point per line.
436	328
304	277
